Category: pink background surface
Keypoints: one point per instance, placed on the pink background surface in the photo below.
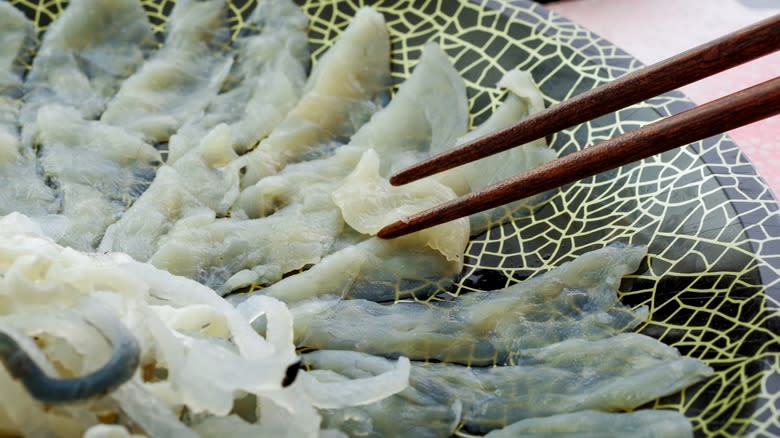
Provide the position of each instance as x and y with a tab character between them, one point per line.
653	30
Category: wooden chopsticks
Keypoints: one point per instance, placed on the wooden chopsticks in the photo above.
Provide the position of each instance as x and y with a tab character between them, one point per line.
735	110
738	109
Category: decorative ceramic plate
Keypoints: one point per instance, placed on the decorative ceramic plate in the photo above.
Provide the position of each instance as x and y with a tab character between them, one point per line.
712	279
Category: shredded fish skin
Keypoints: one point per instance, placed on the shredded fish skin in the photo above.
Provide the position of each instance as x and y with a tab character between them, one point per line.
202	354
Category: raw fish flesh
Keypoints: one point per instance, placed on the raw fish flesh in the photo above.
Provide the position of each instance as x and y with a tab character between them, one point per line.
428	110
523	100
84	57
180	79
23	188
618	373
264	82
338	98
197	236
262	250
99	170
414	125
594	424
152	216
429	107
577	300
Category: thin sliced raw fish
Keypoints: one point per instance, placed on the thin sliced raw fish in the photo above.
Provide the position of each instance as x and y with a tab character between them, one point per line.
595	424
614	374
23	188
84	57
577	300
339	96
264	82
99	171
429	107
181	78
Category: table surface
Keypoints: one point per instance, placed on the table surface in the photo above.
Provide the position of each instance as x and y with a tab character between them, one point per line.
652	30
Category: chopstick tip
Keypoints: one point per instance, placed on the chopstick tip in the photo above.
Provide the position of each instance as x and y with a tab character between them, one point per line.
399	179
396	229
415	172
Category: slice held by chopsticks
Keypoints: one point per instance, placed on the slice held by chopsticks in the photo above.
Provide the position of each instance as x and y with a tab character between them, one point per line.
738	109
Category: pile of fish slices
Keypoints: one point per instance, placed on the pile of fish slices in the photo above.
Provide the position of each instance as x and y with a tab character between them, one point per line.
115	257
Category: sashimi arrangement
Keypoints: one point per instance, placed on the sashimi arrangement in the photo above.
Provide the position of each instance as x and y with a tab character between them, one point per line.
188	245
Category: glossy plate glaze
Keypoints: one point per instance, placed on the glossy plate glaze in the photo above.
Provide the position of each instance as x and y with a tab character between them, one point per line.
712	277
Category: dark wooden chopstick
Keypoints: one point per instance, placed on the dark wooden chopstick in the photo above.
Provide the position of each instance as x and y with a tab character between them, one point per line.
721	54
729	112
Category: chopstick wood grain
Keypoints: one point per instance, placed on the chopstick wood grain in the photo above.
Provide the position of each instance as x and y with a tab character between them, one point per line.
729	112
723	53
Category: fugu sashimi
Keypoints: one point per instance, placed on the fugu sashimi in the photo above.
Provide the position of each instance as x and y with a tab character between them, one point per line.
368	202
207	247
211	171
17	40
154	214
373	76
595	424
264	82
23	188
425	116
338	98
618	373
203	183
523	100
577	300
265	249
98	169
428	108
84	56
422	414
181	78
88	214
373	269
